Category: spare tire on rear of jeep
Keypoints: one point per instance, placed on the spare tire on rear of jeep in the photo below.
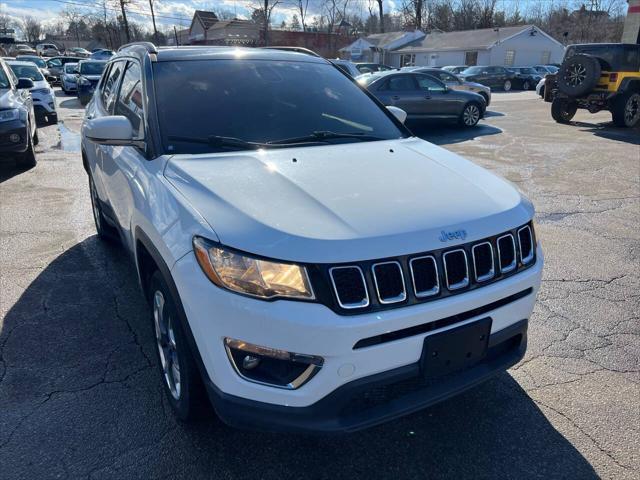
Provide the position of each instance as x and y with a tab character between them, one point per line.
578	75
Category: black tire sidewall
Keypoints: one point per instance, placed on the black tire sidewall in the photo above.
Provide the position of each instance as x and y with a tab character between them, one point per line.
28	158
189	406
618	110
561	105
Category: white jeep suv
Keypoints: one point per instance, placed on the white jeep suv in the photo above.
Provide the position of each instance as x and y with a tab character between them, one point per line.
310	264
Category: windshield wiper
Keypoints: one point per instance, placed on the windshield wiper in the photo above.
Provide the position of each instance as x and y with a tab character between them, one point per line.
219	141
323	136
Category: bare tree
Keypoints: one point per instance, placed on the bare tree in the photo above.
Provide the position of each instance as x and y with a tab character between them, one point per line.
153	18
73	16
303	5
263	12
32	28
381	25
125	23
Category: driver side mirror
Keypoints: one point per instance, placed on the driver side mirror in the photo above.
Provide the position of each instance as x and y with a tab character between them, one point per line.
24	84
113	130
400	114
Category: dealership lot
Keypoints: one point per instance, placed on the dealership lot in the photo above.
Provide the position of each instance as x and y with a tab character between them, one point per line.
80	395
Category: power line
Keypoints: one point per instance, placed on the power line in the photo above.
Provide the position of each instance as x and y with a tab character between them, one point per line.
98	8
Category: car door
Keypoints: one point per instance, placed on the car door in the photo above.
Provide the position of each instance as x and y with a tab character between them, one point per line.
401	91
437	102
120	163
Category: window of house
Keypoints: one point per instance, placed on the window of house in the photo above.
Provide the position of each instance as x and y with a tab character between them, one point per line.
471	58
546	57
408	59
510	58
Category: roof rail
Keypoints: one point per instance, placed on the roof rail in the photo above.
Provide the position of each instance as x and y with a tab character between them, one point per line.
150	47
295	49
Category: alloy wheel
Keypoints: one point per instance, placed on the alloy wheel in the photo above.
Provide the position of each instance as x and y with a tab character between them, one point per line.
507	85
166	340
576	74
471	115
632	110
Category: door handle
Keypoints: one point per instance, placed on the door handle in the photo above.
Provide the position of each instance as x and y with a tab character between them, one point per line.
396	97
427	96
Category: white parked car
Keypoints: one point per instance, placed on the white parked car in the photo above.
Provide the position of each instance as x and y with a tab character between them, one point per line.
47	50
44	103
540	87
69	78
310	264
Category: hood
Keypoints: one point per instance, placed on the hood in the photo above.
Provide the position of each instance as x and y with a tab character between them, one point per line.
345	202
41	84
92	78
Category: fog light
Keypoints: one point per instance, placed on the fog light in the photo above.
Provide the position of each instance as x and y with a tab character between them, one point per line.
14	137
270	366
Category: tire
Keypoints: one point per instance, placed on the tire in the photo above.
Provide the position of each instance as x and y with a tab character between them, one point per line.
507	85
626	110
52	119
470	115
578	75
563	110
485	96
28	158
83	101
36	139
526	85
105	231
542	91
178	370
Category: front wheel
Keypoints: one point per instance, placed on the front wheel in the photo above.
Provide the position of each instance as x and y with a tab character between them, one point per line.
470	115
507	85
563	110
105	231
626	110
526	85
28	158
180	376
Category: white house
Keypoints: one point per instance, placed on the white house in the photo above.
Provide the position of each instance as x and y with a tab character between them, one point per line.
523	45
377	47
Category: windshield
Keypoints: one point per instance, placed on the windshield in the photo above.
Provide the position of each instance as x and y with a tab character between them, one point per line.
261	101
473	70
27	71
70	67
527	70
92	68
37	60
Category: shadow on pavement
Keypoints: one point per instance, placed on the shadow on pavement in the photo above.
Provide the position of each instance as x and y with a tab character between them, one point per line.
446	133
609	131
80	393
491	113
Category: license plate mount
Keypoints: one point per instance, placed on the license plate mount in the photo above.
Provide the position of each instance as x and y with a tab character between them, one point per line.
456	349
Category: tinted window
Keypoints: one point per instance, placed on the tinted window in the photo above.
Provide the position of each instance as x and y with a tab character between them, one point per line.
474	70
4	81
129	101
446	77
27	71
260	101
400	83
70	67
426	82
37	60
92	68
110	86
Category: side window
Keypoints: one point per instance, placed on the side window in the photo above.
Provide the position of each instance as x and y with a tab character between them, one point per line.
401	83
110	86
447	77
430	84
130	100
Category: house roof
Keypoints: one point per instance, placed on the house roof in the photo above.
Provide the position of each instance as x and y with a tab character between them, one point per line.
465	39
381	40
207	19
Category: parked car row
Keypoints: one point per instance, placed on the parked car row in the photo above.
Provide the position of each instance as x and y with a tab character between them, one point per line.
82	78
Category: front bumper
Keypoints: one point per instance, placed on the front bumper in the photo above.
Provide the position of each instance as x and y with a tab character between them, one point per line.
44	105
14	127
372	400
313	329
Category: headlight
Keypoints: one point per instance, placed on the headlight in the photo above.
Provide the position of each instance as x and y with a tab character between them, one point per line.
8	115
83	81
250	275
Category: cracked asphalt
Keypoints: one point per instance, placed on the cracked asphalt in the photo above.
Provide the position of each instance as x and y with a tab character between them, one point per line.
81	397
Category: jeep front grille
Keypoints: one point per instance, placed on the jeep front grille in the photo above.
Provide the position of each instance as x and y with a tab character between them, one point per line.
410	279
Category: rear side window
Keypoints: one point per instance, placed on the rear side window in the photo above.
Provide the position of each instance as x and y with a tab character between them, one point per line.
110	86
400	83
425	82
4	81
129	101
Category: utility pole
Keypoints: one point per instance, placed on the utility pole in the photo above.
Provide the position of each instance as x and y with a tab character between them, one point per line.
153	18
124	20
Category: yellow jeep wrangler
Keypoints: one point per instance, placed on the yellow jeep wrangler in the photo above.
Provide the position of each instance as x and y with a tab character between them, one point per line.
598	76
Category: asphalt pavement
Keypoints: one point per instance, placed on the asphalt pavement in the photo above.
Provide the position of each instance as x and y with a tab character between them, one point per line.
81	396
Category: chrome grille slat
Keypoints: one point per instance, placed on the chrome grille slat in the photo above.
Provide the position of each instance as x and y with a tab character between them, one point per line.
427	292
525	236
465	280
379	282
504	242
337	284
475	253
